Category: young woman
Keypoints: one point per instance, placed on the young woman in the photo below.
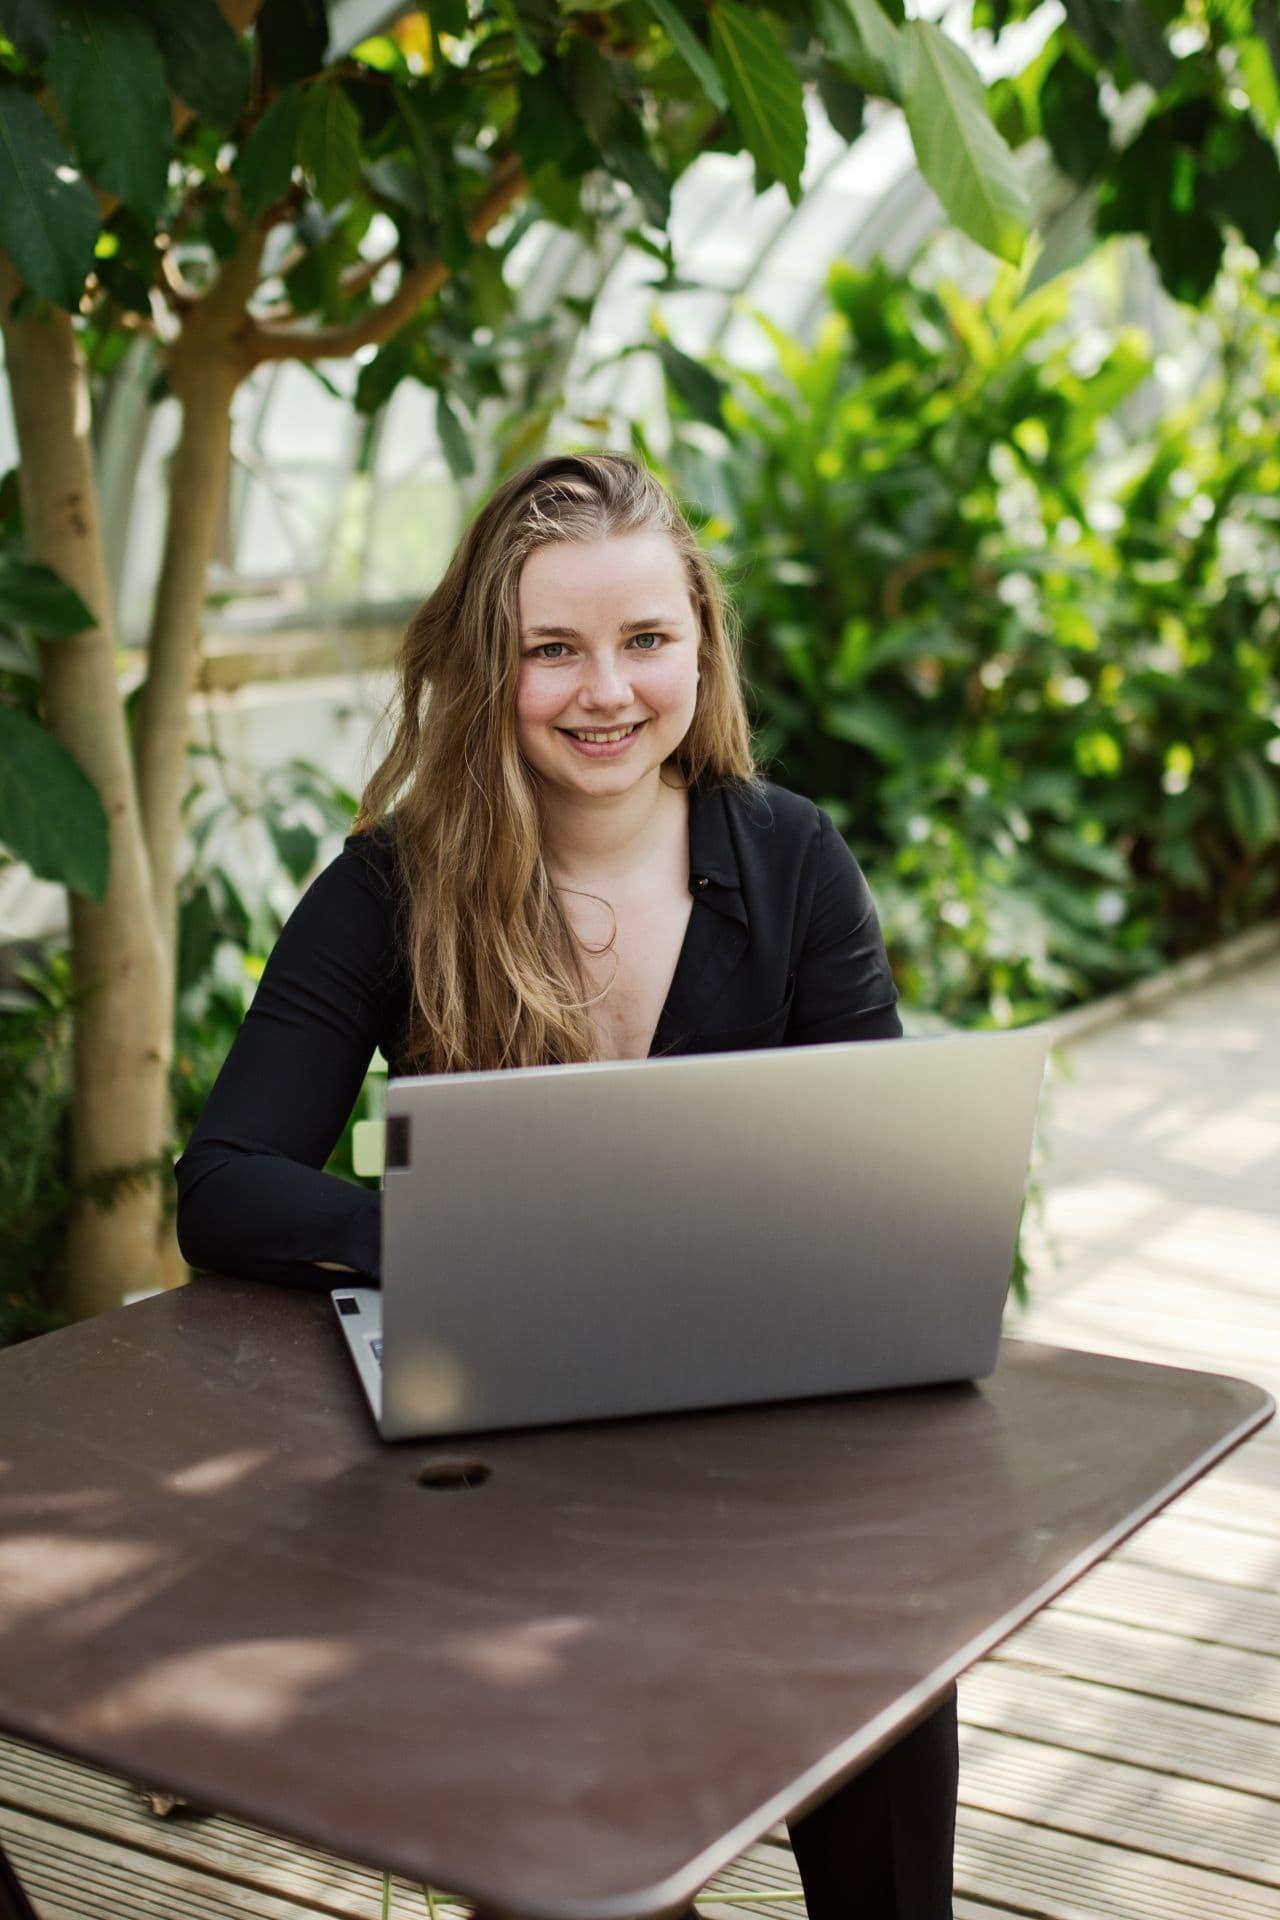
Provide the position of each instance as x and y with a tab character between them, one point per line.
566	855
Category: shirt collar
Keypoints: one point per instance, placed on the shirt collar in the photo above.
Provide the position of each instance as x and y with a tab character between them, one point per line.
715	875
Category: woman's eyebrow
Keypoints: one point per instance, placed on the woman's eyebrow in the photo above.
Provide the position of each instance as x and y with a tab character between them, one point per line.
628	626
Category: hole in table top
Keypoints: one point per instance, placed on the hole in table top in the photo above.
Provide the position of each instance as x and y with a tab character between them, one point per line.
449	1476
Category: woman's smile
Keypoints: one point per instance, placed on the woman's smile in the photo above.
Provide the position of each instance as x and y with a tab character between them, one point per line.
603	743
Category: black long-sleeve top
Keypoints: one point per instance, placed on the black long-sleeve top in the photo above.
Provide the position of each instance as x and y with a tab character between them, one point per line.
783	948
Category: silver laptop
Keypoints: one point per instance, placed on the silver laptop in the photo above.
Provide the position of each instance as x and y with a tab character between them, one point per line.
637	1236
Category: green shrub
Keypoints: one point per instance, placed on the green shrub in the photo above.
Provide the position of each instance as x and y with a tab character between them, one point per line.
35	1047
1029	666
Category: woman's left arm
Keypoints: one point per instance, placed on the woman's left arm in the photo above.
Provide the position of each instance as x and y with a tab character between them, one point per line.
844	989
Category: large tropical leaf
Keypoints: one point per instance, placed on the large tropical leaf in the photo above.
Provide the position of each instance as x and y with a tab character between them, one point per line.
764	91
33	596
48	216
961	155
1253	801
107	75
50	813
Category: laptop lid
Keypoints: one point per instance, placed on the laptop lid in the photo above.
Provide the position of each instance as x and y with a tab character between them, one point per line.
636	1236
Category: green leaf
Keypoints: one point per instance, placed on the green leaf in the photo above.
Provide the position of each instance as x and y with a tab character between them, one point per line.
961	155
549	129
379	377
691	50
699	388
199	931
593	88
449	16
1095	22
526	50
1253	807
31	27
329	142
1145	44
109	81
636	165
870	724
48	216
764	92
296	846
864	41
450	236
206	65
264	164
1245	188
1260	81
293	36
454	439
50	813
1073	122
843	100
33	596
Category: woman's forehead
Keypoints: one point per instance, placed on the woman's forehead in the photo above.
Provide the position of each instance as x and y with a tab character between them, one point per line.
600	581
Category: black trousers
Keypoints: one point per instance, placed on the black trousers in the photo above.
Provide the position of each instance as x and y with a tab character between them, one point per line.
881	1846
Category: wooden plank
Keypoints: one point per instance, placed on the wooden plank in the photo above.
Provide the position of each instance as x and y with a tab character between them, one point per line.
770	1867
1222	1503
1149	1662
764	1881
1208	1552
1061	1876
1185	1742
1194	1609
54	1789
1122	1805
76	1876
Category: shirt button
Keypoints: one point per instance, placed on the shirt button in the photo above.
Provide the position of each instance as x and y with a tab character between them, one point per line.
700	881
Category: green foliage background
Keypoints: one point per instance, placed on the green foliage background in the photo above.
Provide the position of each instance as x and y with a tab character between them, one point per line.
1024	649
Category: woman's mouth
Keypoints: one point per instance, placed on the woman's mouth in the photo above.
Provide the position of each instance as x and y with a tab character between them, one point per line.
602	743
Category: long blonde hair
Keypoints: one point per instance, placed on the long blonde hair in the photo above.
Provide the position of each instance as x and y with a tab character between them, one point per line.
495	973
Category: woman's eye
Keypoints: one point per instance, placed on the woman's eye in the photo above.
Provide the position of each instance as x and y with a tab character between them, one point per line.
542	653
655	637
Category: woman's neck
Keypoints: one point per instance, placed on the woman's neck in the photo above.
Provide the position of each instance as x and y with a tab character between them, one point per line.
607	838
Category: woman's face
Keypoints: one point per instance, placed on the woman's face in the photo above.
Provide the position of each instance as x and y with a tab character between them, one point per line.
608	643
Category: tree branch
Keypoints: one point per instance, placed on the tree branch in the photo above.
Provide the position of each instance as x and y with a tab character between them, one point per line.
417	284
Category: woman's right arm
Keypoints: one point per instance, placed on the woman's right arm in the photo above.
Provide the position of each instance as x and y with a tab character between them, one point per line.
252	1199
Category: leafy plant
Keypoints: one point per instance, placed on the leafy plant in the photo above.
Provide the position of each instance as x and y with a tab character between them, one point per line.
51	817
35	1193
1030	664
253	839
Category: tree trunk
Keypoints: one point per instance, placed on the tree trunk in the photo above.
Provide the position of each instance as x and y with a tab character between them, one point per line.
122	1034
206	365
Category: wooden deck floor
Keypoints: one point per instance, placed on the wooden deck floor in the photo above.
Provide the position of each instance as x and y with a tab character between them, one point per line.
1121	1754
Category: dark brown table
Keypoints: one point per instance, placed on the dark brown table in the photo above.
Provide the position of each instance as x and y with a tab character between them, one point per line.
568	1673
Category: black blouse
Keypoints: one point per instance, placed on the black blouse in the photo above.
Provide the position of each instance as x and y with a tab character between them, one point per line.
782	948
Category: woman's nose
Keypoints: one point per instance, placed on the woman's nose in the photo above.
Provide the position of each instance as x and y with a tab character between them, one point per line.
606	685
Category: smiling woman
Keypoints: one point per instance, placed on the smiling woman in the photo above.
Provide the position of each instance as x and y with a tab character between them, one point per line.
567	855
